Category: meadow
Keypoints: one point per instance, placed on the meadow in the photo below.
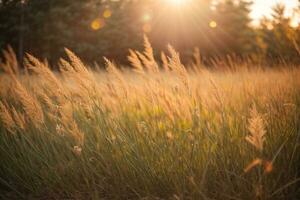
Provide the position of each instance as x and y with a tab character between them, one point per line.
159	130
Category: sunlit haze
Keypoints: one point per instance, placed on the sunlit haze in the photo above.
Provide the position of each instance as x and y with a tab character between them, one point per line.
262	8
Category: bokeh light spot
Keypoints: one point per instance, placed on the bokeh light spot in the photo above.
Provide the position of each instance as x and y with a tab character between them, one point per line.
147	28
213	24
97	24
146	17
107	13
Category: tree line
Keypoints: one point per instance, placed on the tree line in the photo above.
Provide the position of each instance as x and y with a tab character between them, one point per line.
97	28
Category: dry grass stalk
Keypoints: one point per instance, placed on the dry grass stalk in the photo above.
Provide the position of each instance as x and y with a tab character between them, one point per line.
53	85
135	62
111	69
175	65
65	66
76	63
30	105
149	54
47	101
145	61
11	62
76	133
19	119
79	79
257	129
197	57
165	62
78	71
267	165
254	163
6	118
68	123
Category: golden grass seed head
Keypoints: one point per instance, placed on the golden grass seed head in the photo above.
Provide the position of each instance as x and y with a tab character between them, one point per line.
6	117
257	129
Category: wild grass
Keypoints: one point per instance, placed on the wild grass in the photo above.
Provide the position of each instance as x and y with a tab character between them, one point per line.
158	131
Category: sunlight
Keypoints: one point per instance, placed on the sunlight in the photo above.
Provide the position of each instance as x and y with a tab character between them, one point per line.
177	2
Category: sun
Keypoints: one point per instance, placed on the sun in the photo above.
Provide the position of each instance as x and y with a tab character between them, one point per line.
177	2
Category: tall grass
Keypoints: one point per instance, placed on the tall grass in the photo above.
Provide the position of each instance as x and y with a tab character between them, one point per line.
158	131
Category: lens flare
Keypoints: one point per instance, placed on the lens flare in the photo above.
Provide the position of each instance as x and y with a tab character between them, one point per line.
107	13
97	24
213	24
146	17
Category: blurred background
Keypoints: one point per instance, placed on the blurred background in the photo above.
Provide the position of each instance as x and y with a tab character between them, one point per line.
263	30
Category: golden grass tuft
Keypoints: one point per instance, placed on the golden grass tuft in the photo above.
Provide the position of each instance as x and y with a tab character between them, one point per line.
135	62
257	129
156	130
6	117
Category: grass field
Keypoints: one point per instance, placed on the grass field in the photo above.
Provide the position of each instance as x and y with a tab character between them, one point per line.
158	131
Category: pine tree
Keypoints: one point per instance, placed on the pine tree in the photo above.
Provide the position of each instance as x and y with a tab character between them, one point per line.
278	37
234	34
